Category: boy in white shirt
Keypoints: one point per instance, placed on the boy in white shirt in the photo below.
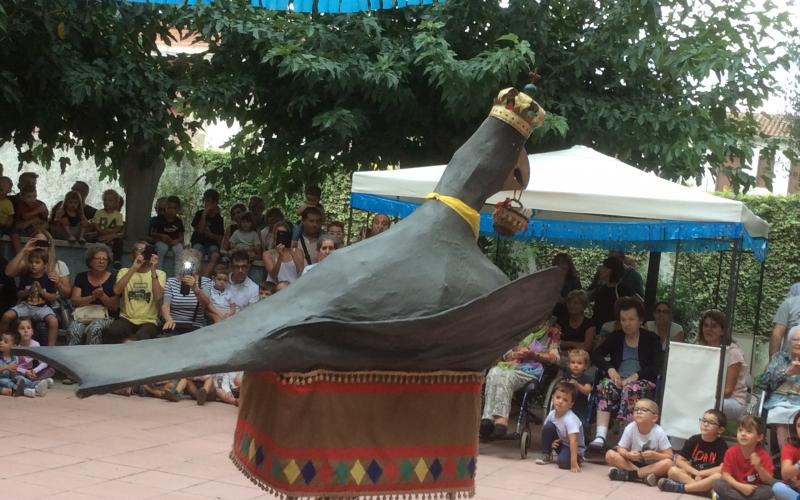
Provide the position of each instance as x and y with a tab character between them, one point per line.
221	299
562	431
644	452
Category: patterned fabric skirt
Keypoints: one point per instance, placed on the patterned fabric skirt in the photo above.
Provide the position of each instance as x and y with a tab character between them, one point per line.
359	434
612	399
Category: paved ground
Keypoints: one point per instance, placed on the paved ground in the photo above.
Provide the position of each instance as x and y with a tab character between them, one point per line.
112	447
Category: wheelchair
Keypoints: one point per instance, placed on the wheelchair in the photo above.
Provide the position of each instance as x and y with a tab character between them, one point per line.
533	400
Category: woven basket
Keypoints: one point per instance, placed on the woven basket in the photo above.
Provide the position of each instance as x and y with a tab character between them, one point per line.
510	217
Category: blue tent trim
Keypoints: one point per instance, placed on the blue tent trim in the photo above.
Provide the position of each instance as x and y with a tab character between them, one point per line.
323	6
654	236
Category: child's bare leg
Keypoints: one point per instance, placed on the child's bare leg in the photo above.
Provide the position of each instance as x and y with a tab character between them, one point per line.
180	387
703	485
660	468
680	475
52	330
208	385
191	387
212	263
152	391
614	459
225	397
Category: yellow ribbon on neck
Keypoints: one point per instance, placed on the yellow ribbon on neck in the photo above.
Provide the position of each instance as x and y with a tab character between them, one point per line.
469	214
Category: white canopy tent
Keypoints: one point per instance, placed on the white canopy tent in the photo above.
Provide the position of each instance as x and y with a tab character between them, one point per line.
582	195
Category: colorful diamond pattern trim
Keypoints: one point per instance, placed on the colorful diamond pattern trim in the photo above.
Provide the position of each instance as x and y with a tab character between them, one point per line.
378	471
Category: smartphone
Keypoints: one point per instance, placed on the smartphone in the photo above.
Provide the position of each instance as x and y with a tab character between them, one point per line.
42	244
283	238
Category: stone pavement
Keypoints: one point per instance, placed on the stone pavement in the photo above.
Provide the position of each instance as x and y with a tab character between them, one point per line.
112	447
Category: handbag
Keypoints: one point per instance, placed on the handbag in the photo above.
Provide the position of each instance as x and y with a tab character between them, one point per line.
87	314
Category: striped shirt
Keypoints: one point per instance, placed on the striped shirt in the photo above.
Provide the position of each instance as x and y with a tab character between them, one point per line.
182	307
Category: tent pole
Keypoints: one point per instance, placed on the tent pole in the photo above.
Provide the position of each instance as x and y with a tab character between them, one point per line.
349	226
757	322
719	278
729	309
651	288
674	286
665	363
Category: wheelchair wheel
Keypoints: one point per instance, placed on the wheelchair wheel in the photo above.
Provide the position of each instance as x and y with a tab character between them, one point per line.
548	397
524	444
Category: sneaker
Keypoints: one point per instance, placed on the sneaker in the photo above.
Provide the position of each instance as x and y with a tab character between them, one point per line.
651	480
29	393
670	486
171	395
41	388
202	395
546	458
616	474
50	382
67	381
714	495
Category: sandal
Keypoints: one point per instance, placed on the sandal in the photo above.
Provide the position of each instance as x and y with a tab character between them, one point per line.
171	396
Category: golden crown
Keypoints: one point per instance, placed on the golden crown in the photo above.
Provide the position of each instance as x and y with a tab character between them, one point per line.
518	110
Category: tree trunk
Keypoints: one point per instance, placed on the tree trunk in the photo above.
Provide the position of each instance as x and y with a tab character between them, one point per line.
139	176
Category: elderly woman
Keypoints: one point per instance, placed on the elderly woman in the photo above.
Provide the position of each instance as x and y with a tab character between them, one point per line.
577	331
712	333
326	244
94	287
635	363
186	297
663	325
783	382
519	366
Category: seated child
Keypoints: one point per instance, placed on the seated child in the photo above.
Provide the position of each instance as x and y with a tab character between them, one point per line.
36	292
789	486
222	305
28	368
30	213
747	467
236	212
209	229
11	382
562	431
69	221
642	449
577	364
699	462
166	389
108	226
200	388
228	386
266	289
7	213
245	237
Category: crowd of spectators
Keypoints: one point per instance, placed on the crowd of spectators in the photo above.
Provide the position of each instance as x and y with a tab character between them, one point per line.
117	300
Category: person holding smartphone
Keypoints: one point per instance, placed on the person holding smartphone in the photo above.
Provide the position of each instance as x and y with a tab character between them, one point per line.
282	262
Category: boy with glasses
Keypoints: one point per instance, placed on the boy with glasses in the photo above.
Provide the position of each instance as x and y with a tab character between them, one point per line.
643	452
699	462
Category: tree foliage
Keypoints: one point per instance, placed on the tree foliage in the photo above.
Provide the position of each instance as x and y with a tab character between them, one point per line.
89	76
653	83
650	82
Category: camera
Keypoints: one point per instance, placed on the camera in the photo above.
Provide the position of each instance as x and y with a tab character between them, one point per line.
148	252
283	238
42	244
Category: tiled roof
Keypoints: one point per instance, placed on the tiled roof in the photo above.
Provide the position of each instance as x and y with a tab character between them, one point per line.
773	125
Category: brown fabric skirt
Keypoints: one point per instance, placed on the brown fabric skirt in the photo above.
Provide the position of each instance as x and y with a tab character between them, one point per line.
359	434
